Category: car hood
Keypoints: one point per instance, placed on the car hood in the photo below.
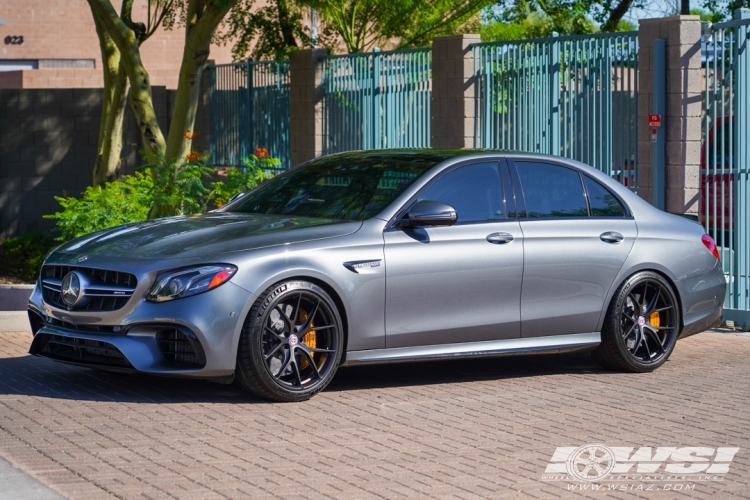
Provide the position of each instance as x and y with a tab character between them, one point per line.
204	235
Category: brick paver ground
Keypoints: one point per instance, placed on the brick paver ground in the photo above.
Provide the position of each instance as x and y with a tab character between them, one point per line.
459	429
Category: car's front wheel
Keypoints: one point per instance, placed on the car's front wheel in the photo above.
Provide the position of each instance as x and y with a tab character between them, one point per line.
641	326
291	342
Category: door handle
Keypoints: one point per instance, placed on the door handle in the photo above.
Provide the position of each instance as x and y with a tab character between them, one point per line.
500	238
611	237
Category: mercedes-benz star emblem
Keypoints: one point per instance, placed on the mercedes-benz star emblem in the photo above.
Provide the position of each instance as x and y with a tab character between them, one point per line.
71	288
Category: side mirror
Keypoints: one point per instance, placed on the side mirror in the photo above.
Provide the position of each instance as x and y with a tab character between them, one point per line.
431	213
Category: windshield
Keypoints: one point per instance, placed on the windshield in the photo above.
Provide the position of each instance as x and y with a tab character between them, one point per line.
350	187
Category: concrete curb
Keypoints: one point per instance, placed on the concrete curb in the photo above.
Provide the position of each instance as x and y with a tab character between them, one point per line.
15	297
14	321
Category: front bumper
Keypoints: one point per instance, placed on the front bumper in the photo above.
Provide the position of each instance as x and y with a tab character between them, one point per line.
193	337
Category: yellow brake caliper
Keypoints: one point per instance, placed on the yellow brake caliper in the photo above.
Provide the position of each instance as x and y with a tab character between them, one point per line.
654	319
310	339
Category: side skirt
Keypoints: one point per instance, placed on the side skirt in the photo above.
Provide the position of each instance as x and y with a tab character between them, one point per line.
507	347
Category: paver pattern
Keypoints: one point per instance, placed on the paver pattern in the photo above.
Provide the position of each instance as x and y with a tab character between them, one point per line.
458	429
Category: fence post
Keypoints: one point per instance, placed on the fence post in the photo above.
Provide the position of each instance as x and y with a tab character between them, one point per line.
376	116
554	96
452	120
213	113
658	146
246	141
306	105
742	158
682	120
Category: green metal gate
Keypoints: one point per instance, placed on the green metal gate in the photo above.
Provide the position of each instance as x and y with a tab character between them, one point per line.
725	156
249	108
377	100
572	96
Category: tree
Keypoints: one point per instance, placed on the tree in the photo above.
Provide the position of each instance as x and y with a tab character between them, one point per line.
516	19
358	25
120	39
108	161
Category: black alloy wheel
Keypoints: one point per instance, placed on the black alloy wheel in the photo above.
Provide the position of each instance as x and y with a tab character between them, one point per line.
291	343
642	324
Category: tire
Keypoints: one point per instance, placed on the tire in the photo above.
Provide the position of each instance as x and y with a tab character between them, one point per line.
291	343
640	342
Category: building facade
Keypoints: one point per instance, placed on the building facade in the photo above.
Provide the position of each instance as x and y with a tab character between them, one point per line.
53	44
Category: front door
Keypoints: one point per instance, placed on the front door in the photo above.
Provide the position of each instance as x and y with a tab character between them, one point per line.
459	283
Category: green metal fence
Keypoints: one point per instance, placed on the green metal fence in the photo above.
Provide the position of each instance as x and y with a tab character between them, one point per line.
725	156
249	108
572	96
377	100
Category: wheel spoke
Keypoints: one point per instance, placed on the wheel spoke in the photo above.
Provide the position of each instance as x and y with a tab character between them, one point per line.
644	341
316	328
273	351
296	371
315	350
644	298
311	361
630	318
666	308
632	328
284	317
637	304
297	311
280	338
311	316
650	307
284	366
656	338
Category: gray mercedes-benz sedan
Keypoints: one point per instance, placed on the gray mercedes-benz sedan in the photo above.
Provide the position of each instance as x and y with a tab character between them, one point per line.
383	256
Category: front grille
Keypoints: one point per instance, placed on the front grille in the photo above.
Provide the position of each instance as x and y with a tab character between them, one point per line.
178	348
91	352
106	291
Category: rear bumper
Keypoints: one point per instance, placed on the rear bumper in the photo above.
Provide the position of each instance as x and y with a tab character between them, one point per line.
702	299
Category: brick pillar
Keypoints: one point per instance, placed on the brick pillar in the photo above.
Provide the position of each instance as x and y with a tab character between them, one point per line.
306	105
453	91
683	109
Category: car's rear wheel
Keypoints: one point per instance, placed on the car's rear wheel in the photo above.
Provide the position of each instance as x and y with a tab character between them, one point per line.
291	343
642	324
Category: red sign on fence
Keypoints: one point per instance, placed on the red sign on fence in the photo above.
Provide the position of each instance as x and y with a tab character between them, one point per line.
654	121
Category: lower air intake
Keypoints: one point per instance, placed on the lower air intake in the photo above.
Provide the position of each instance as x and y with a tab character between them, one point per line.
181	348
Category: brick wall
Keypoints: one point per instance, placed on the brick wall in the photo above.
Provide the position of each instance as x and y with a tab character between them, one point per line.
48	141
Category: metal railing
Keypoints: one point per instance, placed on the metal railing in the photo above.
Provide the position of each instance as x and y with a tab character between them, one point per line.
377	100
572	96
249	108
725	156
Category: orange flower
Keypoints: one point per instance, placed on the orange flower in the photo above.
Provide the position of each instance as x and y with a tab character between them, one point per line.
188	135
261	152
194	156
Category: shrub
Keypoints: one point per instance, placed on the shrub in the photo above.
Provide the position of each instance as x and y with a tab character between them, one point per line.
118	202
242	178
161	189
24	255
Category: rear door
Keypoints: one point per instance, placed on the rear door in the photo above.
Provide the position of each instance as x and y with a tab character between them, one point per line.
577	235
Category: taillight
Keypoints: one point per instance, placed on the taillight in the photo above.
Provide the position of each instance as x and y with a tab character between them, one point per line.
709	242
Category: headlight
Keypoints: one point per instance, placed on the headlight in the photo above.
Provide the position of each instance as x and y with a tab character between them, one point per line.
191	281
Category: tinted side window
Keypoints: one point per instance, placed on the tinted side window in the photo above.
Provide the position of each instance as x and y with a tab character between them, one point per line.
474	191
551	190
602	202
